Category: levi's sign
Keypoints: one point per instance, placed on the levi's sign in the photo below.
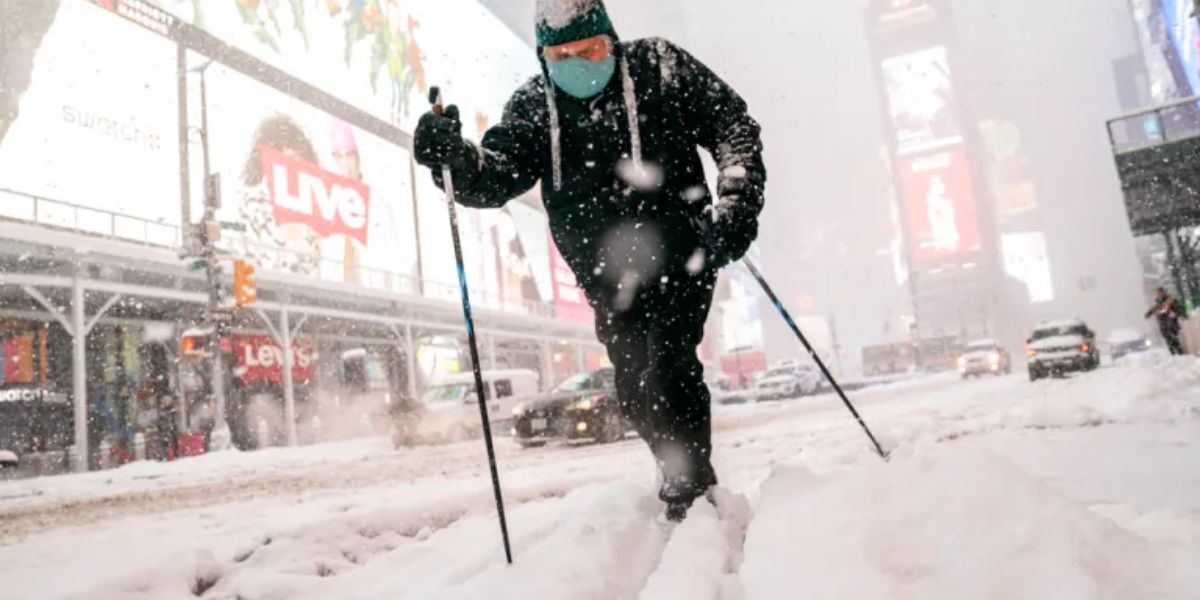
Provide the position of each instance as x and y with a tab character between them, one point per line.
304	193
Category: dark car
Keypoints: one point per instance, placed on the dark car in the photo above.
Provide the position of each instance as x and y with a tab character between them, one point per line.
8	463
584	407
1124	342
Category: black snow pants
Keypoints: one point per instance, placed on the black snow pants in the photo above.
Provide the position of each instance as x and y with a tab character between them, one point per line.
1171	335
660	381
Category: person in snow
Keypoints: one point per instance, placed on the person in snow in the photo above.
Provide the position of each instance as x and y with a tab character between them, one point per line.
1168	312
611	130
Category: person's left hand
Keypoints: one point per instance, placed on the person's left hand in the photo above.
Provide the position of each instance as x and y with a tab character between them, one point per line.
731	228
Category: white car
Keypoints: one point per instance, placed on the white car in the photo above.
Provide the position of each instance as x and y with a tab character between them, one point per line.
451	405
984	357
787	382
1059	347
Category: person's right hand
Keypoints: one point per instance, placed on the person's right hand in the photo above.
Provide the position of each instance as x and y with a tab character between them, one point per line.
438	139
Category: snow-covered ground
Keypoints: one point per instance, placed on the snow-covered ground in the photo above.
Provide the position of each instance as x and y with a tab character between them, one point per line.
1080	488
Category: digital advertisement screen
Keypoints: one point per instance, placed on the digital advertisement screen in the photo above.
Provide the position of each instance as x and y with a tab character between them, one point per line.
1185	34
921	100
941	209
1026	259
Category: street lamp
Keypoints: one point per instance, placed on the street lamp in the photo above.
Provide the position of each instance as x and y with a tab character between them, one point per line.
210	233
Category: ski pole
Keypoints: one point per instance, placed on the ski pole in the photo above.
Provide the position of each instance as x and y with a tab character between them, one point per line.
435	97
820	363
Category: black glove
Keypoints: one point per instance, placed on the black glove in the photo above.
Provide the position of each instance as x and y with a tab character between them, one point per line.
732	226
438	141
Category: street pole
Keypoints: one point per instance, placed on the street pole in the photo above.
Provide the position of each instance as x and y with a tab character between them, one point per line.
212	198
289	390
79	374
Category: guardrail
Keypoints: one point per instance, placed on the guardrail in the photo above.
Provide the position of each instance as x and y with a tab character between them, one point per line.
19	206
1154	126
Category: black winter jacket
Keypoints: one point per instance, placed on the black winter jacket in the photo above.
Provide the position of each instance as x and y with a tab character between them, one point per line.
617	228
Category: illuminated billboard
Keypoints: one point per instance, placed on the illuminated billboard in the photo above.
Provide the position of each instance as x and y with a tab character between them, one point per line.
921	101
1026	259
97	128
1185	34
317	197
378	55
940	206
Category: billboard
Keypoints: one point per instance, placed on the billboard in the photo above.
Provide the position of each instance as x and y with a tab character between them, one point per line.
940	206
379	55
316	196
570	304
1185	35
97	128
1026	259
260	359
921	100
1010	172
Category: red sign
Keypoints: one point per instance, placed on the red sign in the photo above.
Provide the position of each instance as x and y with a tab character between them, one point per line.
942	216
259	358
569	301
304	193
141	12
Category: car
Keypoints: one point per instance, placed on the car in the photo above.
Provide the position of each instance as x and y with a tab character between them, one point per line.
584	407
8	463
1124	342
791	380
1060	347
450	407
984	357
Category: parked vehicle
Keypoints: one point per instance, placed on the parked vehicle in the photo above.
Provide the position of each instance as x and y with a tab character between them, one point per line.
1060	347
584	407
984	357
8	462
1124	342
723	391
787	380
451	405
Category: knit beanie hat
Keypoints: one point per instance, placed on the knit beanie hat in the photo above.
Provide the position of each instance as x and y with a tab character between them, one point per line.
562	21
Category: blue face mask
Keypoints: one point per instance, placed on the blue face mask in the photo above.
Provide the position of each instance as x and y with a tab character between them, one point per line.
580	77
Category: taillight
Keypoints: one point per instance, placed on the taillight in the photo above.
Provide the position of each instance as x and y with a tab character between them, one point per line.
1085	347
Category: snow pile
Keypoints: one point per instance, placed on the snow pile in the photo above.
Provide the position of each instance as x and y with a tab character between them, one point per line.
1156	389
704	553
953	524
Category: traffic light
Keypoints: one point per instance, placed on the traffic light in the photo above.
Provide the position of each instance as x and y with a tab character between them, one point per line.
196	344
245	289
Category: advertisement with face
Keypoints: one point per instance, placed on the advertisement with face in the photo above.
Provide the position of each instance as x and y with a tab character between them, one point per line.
379	55
316	196
97	129
921	100
941	211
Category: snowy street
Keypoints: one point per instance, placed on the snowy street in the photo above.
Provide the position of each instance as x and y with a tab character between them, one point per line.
1080	488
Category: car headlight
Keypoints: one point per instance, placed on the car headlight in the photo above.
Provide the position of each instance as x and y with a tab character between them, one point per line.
585	404
1149	343
962	362
994	358
518	410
